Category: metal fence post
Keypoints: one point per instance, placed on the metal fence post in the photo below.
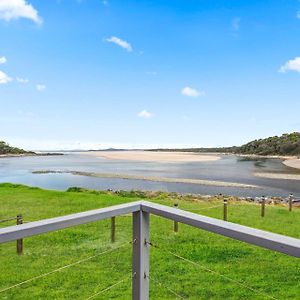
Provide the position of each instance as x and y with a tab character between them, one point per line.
291	196
263	206
113	230
225	211
20	241
175	222
140	256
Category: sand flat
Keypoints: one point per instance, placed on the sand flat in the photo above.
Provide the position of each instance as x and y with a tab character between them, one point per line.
278	176
293	163
153	156
150	178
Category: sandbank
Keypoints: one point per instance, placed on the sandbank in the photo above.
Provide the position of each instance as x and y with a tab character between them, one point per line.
150	178
278	176
152	156
293	163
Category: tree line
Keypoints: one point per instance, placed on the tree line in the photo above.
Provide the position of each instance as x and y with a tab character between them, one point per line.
7	149
286	144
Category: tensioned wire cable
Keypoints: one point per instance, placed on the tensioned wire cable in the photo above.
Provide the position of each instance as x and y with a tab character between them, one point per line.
63	267
167	288
204	208
8	219
110	287
242	284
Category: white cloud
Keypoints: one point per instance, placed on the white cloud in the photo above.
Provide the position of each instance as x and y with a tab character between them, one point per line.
40	87
145	114
291	65
22	80
152	73
105	2
119	42
191	92
4	78
26	114
235	23
298	14
3	60
15	9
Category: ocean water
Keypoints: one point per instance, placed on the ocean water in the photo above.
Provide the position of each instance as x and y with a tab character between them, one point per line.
230	169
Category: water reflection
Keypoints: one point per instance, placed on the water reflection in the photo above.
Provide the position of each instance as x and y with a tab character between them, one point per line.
230	169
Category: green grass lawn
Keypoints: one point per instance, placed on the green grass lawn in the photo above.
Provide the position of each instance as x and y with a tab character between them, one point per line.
269	273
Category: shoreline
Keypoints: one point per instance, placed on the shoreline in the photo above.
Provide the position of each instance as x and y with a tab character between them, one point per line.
149	156
29	154
292	163
281	176
17	155
151	178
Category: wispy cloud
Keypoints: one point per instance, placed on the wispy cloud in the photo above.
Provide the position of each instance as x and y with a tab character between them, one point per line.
191	92
15	9
123	44
236	23
26	114
40	87
3	60
4	78
298	14
151	73
145	114
22	80
291	65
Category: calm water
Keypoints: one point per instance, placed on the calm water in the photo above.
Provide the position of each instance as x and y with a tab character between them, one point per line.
229	168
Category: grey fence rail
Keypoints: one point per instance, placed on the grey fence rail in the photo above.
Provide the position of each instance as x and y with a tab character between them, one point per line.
141	211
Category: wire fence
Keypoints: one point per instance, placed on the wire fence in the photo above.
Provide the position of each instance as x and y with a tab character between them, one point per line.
196	264
8	219
63	268
167	288
206	208
110	287
126	278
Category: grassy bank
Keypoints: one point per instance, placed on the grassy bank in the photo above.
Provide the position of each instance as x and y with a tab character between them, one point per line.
269	273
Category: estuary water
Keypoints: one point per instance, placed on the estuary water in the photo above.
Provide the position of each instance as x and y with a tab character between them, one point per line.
229	168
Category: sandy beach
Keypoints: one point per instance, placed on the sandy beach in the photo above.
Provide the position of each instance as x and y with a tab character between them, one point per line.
278	176
293	163
151	156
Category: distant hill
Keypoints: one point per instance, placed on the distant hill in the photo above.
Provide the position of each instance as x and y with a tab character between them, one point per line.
7	149
287	144
108	149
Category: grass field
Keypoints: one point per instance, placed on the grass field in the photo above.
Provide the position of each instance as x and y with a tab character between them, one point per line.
237	270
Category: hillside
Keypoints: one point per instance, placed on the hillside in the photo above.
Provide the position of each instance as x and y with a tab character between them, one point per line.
287	144
7	149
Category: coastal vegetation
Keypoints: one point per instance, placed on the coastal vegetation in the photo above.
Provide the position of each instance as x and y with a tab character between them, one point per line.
285	145
223	269
7	149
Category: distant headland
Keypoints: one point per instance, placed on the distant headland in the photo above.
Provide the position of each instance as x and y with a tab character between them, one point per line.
284	145
8	151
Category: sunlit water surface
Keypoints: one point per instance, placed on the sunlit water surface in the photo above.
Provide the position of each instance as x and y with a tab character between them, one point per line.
230	168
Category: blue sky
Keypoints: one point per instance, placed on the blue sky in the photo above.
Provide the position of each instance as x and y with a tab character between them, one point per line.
96	74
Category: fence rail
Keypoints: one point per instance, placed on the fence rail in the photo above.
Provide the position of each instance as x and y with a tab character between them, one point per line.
141	211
